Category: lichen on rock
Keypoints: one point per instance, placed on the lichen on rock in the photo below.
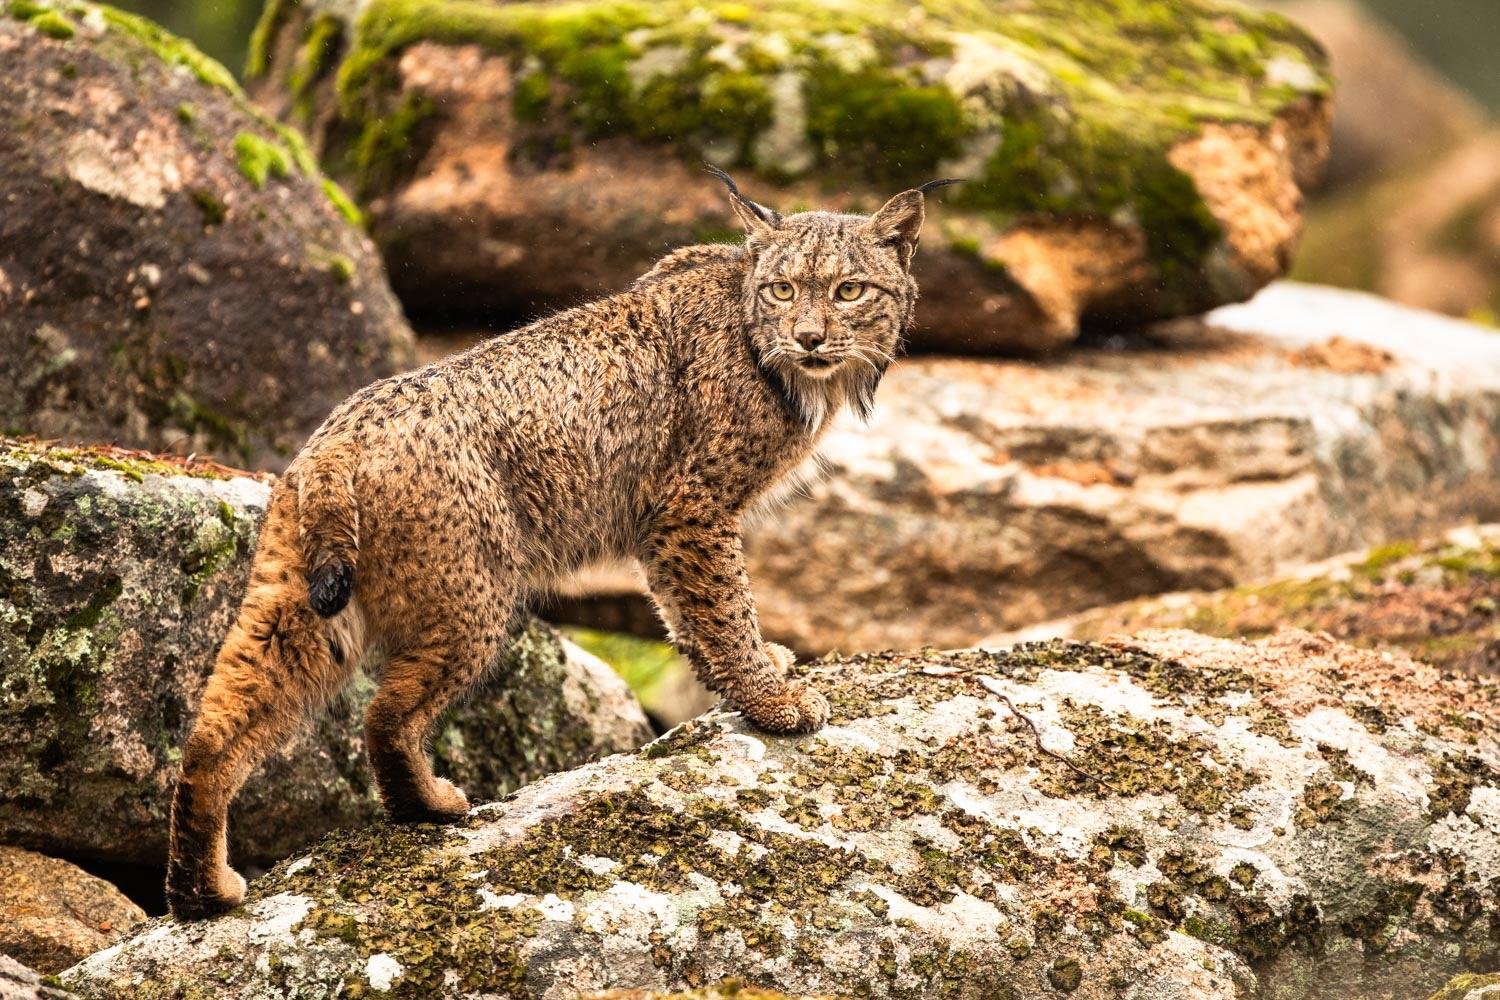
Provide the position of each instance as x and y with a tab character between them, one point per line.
926	842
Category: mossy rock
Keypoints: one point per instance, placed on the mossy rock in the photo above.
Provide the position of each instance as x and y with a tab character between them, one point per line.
1470	987
1134	832
175	272
1125	158
119	577
1436	599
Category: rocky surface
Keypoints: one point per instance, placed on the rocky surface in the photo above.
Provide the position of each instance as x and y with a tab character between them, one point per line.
1190	818
728	990
52	913
986	496
17	982
1437	600
119	576
175	273
514	156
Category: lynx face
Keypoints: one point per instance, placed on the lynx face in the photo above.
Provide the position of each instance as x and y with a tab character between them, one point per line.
828	297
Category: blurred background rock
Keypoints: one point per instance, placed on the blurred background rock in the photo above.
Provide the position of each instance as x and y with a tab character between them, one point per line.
1410	206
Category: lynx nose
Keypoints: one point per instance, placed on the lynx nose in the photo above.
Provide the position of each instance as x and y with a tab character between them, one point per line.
810	337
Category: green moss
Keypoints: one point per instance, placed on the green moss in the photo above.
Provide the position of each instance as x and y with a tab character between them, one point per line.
385	149
54	25
88	616
25	10
167	47
342	203
320	44
73	461
216	545
258	58
1460	987
260	160
187	114
209	204
882	122
532	97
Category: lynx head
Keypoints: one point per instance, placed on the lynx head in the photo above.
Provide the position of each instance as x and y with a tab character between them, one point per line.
828	297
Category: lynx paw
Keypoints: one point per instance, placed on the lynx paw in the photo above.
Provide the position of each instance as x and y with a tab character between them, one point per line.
443	803
797	708
192	899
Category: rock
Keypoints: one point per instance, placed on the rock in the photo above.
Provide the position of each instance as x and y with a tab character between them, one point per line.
20	983
1393	110
53	914
175	273
1125	161
1427	237
1470	987
119	576
1437	600
986	496
728	990
1192	817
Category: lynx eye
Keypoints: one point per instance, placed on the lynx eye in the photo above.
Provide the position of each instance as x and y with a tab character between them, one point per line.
848	291
782	291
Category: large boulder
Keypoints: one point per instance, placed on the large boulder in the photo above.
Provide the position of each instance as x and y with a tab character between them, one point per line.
986	496
53	914
175	273
1125	160
1438	600
1176	817
119	577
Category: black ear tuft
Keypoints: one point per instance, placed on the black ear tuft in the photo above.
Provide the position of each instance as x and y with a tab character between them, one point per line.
756	218
934	185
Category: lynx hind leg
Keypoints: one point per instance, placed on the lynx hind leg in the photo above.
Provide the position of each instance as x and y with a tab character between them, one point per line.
276	667
417	684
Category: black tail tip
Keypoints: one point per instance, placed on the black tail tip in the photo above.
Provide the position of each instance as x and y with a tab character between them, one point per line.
329	587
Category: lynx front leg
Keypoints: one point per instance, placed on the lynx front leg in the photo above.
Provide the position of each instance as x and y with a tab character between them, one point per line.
697	575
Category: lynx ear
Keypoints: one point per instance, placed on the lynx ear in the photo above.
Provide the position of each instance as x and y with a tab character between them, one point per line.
756	219
898	224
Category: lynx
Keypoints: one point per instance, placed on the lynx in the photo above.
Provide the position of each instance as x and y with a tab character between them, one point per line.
430	505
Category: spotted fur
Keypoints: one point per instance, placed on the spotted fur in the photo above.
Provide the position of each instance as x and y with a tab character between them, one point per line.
430	505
